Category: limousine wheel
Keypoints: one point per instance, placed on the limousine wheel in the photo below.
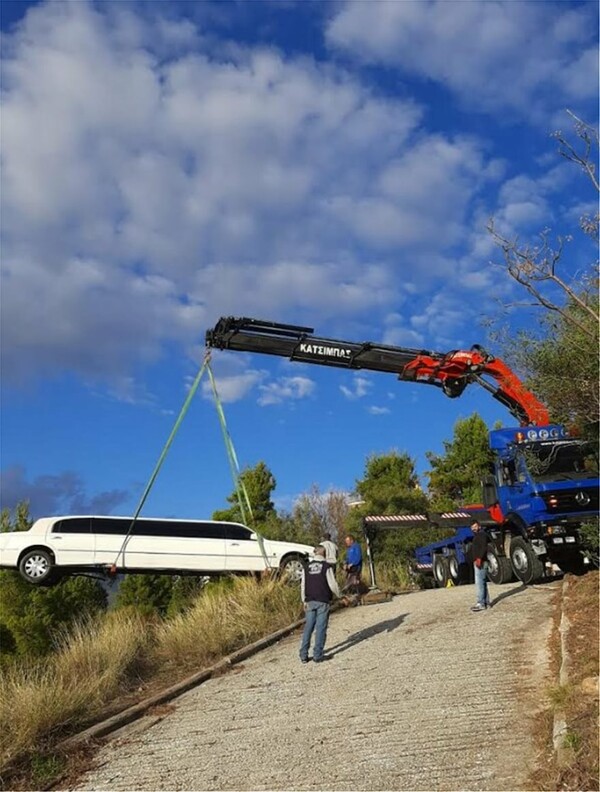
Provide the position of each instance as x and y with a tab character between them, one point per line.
291	569
36	566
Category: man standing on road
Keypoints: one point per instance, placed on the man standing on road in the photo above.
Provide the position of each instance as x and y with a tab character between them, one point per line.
353	565
479	548
330	550
318	587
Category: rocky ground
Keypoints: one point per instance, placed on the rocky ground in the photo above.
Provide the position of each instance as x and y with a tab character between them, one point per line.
420	694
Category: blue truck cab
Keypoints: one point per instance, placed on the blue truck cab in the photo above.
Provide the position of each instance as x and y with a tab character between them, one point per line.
542	477
543	486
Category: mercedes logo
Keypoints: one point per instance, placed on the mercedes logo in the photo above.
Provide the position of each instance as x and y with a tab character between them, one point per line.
582	498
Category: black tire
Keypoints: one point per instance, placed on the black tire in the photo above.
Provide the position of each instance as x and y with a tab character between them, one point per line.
37	567
499	567
573	564
458	573
291	568
440	570
526	565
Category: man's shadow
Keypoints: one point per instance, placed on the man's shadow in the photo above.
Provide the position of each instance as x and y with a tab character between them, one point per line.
352	640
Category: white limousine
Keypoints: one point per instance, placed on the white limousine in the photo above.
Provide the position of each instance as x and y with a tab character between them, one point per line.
58	546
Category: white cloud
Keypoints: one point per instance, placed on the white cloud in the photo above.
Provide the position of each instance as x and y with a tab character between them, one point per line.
285	389
85	316
234	379
360	387
528	57
129	390
421	195
374	410
323	290
176	180
398	335
434	323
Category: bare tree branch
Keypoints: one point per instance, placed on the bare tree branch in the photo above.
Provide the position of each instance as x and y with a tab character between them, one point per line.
589	137
532	266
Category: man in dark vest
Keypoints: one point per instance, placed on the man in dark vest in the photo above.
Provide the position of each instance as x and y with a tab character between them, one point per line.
319	586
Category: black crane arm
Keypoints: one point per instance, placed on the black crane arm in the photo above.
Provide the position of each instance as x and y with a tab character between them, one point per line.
451	371
299	343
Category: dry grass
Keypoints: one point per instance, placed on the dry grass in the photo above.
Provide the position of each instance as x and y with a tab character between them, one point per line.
580	770
91	667
222	621
394	577
581	605
98	661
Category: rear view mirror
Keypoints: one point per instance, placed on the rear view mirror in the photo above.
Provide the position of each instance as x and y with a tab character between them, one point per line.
254	536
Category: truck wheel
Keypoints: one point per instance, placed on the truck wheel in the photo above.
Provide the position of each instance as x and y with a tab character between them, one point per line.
441	572
499	567
36	566
526	565
573	564
459	573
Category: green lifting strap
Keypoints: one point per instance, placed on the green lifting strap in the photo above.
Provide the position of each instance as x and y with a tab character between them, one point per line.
240	488
161	459
242	494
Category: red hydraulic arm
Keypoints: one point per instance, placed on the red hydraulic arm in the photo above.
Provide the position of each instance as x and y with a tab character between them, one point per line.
459	368
450	371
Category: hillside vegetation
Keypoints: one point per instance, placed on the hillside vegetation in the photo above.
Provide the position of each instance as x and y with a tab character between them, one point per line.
102	659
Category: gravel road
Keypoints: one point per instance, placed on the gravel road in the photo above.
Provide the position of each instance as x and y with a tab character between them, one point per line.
421	694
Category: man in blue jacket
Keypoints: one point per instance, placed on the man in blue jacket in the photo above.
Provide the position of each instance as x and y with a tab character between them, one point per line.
353	565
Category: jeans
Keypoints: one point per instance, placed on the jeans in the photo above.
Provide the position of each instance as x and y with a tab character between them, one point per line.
317	617
483	598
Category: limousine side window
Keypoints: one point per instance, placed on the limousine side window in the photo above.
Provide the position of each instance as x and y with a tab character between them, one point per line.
172	528
238	532
187	530
74	525
110	526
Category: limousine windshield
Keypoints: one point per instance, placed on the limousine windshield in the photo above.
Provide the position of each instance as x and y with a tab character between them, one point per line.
59	545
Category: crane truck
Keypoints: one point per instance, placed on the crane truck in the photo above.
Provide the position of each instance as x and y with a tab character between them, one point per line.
543	482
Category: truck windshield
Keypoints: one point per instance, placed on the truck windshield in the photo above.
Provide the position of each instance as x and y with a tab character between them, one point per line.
561	461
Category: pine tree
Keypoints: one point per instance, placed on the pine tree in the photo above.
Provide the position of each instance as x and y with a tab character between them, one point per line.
34	615
455	476
31	616
148	594
390	486
259	483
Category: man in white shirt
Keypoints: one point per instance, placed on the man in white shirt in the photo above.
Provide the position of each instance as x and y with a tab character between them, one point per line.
330	550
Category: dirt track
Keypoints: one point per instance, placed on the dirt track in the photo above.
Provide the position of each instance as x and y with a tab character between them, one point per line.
420	694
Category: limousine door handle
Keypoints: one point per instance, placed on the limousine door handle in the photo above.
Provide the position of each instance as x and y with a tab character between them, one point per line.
234	544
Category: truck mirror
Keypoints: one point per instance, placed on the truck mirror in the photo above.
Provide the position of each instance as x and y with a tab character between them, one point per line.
490	493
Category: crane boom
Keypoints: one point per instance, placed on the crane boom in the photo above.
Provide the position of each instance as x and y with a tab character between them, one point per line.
450	371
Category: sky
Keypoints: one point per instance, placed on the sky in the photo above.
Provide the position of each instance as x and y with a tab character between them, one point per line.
331	165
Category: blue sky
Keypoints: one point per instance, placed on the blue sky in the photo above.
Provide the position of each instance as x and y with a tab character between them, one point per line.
325	164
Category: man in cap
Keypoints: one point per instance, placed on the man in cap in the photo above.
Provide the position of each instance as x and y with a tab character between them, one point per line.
319	586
